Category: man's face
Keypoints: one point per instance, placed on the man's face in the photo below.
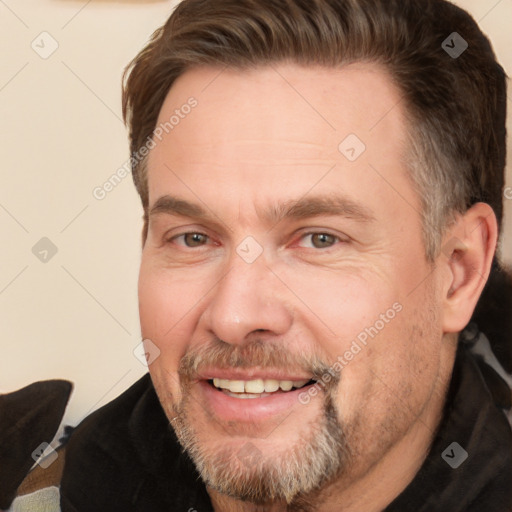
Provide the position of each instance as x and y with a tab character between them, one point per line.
279	247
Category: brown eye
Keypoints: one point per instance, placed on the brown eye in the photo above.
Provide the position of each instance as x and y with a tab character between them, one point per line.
322	240
194	239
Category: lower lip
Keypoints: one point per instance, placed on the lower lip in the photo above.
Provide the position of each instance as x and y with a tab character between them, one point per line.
230	408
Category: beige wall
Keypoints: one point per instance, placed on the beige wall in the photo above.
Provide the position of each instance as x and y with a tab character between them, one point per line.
75	316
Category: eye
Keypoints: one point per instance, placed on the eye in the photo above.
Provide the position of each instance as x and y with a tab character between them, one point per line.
319	240
191	239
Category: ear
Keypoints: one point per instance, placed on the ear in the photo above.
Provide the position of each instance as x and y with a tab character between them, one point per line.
465	260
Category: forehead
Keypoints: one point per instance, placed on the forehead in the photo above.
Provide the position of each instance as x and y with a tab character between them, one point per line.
284	124
305	104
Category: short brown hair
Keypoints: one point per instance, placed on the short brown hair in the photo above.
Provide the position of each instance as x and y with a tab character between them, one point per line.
456	106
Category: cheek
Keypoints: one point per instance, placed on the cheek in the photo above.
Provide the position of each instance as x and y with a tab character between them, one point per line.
337	306
363	324
168	309
397	370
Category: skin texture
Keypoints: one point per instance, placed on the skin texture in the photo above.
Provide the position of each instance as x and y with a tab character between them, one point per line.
258	140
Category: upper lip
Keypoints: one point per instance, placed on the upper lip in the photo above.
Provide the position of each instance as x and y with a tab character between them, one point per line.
251	374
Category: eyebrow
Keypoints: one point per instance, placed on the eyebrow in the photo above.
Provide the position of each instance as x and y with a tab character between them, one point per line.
314	206
175	206
306	207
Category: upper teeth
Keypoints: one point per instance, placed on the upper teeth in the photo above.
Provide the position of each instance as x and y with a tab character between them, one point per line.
258	385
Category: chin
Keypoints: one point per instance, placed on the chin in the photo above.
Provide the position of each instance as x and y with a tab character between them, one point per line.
248	466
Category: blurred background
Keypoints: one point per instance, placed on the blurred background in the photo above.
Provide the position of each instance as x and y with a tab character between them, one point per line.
70	255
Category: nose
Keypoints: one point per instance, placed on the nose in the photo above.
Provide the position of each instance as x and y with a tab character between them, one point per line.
248	299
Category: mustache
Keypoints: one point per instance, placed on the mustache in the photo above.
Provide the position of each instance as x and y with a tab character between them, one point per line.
263	354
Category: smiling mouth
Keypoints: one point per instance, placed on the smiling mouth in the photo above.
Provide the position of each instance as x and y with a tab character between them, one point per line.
257	388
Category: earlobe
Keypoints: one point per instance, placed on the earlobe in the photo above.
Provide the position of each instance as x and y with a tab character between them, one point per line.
466	256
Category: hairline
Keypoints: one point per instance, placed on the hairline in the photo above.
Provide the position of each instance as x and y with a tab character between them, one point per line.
432	229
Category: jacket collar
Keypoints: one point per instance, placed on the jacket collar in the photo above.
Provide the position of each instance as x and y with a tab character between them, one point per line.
471	420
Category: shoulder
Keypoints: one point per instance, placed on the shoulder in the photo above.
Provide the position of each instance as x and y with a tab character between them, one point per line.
108	429
125	456
101	454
